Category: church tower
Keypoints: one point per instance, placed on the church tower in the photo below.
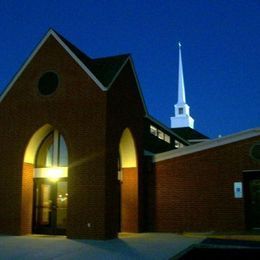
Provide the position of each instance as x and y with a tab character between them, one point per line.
182	116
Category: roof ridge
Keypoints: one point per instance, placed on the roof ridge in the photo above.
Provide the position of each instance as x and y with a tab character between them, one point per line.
105	72
72	46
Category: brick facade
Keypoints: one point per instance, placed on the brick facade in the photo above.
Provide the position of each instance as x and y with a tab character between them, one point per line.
129	201
27	199
124	110
91	127
194	192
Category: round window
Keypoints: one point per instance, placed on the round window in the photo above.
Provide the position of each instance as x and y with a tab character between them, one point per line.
255	151
48	83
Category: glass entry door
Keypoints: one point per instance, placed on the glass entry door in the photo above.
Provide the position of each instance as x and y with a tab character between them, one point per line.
50	206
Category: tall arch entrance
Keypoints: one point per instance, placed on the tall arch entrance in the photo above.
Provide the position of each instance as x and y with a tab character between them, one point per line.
46	163
128	177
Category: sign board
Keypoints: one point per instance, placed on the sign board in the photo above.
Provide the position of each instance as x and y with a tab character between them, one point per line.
238	190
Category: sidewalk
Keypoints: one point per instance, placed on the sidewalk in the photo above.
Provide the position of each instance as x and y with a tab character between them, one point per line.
128	246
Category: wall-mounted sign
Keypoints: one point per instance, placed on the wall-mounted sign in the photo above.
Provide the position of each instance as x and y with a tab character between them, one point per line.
238	190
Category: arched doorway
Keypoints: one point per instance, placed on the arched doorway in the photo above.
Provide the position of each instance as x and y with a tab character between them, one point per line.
128	177
45	181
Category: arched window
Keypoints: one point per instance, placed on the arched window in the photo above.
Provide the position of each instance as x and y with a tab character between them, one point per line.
52	152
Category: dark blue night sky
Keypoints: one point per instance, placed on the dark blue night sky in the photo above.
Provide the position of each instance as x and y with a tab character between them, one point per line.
220	50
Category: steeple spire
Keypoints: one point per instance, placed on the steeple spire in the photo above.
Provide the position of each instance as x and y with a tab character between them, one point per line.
182	116
181	86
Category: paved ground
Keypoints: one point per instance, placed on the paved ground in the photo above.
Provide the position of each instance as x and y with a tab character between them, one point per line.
128	246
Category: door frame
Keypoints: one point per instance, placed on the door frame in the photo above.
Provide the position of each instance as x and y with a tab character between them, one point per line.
51	229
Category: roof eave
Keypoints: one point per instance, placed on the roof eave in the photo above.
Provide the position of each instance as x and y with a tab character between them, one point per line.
208	144
25	63
80	63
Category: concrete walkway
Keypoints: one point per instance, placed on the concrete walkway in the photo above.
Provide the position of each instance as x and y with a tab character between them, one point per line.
128	246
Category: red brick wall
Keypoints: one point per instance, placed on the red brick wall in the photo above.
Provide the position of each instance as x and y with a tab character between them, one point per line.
124	110
129	200
27	199
10	201
195	192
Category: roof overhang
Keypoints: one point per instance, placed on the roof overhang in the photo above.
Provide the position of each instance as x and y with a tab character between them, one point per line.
208	144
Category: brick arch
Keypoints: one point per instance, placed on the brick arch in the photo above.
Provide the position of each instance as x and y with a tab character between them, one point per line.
128	176
28	175
34	142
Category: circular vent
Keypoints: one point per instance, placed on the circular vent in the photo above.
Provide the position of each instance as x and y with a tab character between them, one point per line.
255	151
48	83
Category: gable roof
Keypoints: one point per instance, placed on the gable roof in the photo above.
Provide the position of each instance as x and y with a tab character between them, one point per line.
209	144
107	68
103	71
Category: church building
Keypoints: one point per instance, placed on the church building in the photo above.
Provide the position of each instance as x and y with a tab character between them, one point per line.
82	157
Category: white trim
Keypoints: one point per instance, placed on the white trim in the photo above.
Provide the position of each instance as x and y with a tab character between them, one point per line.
28	60
20	71
80	63
208	144
138	85
136	79
43	172
198	140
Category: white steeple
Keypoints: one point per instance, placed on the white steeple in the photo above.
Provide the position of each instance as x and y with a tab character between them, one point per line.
182	116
